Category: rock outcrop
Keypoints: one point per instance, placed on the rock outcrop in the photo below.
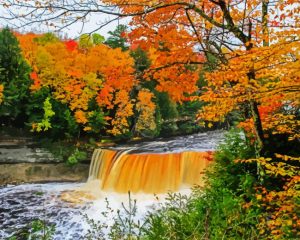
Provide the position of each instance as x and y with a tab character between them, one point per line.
22	159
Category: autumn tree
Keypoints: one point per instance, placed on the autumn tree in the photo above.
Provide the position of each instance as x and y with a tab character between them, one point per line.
145	106
181	35
89	79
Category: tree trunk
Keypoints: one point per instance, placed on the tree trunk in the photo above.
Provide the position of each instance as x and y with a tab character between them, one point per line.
257	120
265	5
258	127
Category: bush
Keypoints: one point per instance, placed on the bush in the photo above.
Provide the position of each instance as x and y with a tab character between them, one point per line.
76	157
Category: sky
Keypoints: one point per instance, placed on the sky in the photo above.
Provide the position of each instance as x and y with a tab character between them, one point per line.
72	31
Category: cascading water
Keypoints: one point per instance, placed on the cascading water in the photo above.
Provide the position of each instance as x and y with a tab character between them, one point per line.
122	171
145	167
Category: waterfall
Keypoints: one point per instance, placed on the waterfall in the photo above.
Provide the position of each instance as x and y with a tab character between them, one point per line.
122	171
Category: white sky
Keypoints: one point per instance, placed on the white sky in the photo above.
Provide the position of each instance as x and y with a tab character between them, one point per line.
73	30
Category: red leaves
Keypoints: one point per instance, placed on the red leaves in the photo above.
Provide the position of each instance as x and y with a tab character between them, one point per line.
123	34
209	156
134	46
186	99
71	45
36	81
33	76
105	96
265	110
274	23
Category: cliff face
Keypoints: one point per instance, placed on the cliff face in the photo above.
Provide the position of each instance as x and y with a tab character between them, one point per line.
23	150
24	160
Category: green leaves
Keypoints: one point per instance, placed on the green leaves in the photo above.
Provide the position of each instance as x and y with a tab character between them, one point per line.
97	38
76	156
117	38
14	76
87	40
45	124
46	38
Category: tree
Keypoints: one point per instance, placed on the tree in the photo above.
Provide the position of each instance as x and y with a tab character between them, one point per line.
89	79
14	78
145	106
181	35
97	38
172	30
117	38
87	40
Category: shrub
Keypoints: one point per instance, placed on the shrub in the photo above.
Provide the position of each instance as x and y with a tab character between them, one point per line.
76	157
36	230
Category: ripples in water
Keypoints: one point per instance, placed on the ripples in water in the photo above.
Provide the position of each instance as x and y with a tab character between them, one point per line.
22	204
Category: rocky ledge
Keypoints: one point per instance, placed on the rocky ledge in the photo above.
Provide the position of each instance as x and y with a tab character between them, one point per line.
22	159
42	172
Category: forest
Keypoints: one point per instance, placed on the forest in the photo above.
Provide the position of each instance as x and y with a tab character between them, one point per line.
177	68
87	88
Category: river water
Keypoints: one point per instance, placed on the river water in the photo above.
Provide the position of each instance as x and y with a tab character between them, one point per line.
65	204
22	204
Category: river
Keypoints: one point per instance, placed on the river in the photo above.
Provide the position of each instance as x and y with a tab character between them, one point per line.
66	204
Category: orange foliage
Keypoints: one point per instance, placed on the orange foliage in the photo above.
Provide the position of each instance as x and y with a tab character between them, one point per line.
36	81
80	117
76	76
146	109
1	93
274	88
178	34
170	47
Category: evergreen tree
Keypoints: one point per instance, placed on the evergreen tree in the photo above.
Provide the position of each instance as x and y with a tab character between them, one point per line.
117	39
14	77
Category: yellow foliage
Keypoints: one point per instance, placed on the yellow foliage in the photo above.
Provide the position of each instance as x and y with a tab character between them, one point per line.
280	206
80	117
146	109
124	105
